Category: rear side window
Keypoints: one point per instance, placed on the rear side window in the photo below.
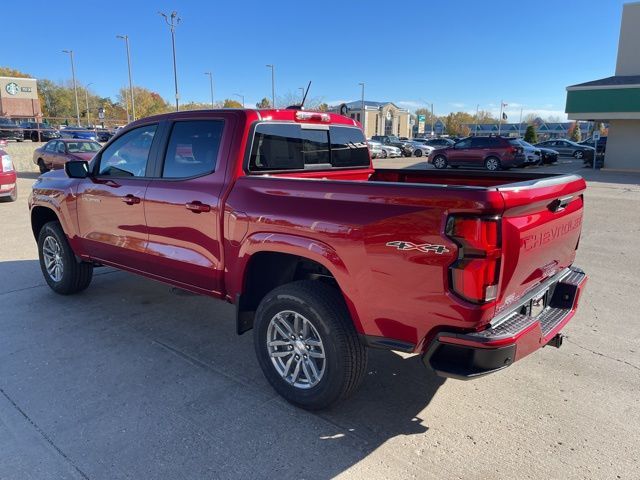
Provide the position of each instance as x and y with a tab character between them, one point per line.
193	148
290	147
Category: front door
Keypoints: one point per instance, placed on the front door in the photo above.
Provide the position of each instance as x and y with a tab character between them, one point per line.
111	202
183	205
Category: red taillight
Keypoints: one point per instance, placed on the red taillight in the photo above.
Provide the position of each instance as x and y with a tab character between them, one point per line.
475	274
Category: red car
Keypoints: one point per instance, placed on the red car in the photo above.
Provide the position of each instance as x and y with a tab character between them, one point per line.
8	179
492	153
55	153
281	213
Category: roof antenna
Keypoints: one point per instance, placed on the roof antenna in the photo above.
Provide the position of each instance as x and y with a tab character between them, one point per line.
301	105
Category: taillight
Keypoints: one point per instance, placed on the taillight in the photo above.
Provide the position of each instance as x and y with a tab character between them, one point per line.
475	275
7	165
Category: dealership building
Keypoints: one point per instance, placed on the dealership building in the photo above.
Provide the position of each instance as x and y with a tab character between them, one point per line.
19	98
616	99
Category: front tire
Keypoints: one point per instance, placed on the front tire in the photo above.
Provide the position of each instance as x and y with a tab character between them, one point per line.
440	162
307	346
62	272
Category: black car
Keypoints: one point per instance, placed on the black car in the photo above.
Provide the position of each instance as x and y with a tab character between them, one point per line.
548	155
33	129
9	130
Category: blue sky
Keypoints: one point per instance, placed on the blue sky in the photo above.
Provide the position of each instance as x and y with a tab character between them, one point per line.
456	54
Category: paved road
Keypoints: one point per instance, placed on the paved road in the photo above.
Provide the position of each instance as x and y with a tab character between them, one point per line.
133	380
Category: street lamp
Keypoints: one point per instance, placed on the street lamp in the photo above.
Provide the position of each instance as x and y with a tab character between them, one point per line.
273	85
363	112
210	85
241	97
75	87
86	99
133	102
173	20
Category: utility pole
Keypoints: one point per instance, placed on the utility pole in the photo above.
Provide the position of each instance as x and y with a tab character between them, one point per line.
364	116
241	97
75	87
273	85
133	102
173	20
210	85
86	98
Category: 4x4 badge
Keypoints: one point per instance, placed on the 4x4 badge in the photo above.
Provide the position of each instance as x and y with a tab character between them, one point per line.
423	247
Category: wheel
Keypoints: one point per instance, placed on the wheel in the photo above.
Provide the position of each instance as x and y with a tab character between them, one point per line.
43	168
11	198
578	154
62	272
307	346
418	153
492	164
440	161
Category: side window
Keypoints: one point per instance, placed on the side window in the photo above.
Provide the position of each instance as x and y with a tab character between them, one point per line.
128	155
288	147
348	147
193	148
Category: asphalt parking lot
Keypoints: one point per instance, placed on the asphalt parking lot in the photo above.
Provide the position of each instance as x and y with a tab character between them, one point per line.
133	379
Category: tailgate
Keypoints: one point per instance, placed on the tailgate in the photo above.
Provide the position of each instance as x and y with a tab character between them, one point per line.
541	228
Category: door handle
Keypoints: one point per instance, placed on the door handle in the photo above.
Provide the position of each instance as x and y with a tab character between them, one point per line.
131	199
197	207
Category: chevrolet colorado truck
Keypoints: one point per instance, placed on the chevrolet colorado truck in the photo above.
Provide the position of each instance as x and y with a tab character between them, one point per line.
281	213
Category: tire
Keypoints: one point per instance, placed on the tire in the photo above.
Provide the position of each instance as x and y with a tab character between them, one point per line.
578	154
43	168
440	162
11	198
73	276
331	332
418	153
492	164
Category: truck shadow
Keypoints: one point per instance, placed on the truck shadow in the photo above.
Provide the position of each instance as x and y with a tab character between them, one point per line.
134	363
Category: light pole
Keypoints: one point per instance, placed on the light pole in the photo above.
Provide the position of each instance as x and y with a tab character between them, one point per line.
133	102
241	97
86	99
362	105
273	85
173	20
75	87
210	85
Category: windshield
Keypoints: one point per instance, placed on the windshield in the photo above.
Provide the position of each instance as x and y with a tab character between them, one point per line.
82	147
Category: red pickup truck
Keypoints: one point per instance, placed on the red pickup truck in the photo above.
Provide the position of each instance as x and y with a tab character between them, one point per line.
281	213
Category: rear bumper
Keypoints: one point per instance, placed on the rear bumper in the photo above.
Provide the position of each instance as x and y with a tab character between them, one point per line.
515	335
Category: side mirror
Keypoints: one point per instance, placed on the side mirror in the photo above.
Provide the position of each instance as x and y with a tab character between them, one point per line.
77	169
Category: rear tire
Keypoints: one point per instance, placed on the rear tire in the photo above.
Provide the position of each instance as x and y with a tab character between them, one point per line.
43	168
492	164
330	332
62	272
440	162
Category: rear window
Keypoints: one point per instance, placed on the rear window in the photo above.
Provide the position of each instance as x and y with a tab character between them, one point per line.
283	146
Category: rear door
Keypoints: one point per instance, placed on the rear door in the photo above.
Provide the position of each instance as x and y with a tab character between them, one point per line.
541	227
183	203
111	203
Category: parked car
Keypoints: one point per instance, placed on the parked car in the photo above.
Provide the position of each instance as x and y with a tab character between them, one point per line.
9	130
45	131
548	155
440	142
55	153
568	148
533	155
492	153
375	149
393	141
78	133
387	150
321	254
8	178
